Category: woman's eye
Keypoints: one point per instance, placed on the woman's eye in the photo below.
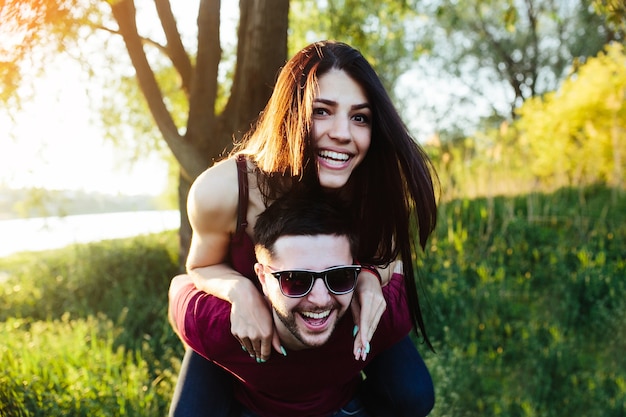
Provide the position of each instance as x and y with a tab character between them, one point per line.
361	118
319	111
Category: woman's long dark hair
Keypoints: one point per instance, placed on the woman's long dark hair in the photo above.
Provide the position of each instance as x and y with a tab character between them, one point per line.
392	191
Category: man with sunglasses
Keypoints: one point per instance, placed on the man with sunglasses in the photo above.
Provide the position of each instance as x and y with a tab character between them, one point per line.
306	270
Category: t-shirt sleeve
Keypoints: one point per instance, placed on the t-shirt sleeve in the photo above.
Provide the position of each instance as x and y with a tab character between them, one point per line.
396	321
201	320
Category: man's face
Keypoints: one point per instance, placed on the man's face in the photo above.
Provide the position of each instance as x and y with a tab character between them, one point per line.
308	321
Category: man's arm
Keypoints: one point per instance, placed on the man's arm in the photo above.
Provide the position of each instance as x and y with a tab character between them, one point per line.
200	320
177	307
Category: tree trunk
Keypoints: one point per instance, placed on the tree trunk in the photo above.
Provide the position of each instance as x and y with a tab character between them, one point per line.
261	51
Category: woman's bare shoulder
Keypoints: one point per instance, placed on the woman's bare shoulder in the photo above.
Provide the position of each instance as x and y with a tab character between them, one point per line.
213	198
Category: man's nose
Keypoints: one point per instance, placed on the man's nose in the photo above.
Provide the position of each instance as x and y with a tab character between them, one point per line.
319	293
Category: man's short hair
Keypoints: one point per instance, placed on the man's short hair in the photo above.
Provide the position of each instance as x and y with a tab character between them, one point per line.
304	214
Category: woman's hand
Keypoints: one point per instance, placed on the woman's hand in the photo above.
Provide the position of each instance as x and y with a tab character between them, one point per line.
251	323
367	306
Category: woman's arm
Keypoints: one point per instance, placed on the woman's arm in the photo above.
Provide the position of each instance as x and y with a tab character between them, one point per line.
369	304
212	209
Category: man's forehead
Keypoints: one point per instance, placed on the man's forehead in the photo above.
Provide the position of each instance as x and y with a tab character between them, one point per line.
311	251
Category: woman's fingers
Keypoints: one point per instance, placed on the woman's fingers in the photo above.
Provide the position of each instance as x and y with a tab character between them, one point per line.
251	324
371	306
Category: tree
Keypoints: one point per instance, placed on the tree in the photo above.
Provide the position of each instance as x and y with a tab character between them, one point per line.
615	12
40	27
575	134
181	85
385	32
530	46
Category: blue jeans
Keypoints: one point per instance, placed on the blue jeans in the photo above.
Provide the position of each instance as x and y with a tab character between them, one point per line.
203	389
353	409
397	384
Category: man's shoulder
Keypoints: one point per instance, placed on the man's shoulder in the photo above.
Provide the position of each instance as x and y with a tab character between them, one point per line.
395	289
397	317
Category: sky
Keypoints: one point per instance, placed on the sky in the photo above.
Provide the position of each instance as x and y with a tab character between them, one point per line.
54	142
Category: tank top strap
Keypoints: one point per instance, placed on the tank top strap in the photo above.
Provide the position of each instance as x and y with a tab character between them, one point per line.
242	179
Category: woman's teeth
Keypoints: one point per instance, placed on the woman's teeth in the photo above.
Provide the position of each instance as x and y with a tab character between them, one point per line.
334	156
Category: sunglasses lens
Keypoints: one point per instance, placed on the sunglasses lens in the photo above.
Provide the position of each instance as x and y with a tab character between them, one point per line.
295	283
341	280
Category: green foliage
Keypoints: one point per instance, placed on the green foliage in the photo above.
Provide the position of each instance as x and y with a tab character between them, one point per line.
41	202
615	13
88	331
528	46
576	133
385	32
571	137
32	31
526	301
527	304
125	280
71	367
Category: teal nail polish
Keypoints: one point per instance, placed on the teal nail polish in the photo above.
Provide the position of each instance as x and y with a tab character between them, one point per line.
367	347
355	330
259	360
283	351
243	348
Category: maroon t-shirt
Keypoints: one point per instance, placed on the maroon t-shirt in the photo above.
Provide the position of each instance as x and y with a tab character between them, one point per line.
310	382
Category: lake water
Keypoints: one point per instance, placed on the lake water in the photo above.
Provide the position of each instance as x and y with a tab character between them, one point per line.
44	233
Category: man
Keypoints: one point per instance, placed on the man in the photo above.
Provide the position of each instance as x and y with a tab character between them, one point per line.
298	240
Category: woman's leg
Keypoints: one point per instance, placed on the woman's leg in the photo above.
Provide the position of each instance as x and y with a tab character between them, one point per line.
203	389
398	383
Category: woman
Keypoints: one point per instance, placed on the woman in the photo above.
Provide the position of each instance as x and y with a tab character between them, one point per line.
329	123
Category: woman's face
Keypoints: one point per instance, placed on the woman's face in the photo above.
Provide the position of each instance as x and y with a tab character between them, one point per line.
342	128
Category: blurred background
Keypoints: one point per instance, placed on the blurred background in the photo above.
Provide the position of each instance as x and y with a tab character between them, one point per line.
110	110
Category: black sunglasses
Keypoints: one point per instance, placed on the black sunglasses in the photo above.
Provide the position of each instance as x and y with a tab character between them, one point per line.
298	283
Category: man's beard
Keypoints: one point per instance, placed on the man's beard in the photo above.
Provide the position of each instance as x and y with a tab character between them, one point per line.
289	320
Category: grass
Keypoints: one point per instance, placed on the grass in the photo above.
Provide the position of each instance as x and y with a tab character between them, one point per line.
526	305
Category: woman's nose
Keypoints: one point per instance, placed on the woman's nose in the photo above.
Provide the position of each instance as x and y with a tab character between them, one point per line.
340	128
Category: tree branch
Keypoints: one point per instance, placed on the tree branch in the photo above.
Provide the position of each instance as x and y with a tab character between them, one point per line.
175	49
262	43
124	13
204	78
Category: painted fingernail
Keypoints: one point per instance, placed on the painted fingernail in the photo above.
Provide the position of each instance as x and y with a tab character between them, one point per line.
355	330
243	348
260	360
367	347
283	351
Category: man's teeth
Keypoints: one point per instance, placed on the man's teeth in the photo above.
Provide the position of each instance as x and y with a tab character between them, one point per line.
316	316
334	155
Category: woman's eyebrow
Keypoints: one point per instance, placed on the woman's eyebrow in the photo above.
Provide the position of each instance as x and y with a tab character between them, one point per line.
334	103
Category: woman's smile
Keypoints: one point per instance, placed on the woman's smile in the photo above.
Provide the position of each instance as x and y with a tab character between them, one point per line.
341	127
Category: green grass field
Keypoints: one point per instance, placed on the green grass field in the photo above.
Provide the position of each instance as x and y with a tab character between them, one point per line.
524	302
